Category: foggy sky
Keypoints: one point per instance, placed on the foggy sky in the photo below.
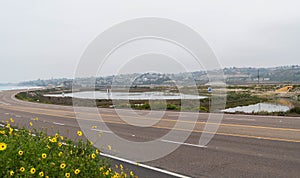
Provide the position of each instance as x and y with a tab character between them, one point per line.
44	39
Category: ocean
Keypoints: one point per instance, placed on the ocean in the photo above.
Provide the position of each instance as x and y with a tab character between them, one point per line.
8	87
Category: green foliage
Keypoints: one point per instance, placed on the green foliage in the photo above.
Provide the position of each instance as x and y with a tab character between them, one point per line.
295	110
23	154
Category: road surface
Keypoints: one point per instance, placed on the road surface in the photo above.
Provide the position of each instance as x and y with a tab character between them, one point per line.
244	146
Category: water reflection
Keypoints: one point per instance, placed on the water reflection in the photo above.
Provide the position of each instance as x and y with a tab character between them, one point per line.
128	96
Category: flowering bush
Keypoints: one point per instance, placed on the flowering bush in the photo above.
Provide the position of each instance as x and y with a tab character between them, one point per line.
23	154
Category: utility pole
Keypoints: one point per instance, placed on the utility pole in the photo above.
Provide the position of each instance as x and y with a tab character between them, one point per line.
257	76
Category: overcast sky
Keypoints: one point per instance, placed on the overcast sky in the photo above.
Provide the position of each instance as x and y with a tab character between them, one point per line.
44	39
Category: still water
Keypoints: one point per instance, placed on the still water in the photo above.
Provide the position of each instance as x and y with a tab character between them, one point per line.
7	87
127	96
260	107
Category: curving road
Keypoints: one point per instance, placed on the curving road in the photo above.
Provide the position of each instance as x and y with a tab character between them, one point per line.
244	146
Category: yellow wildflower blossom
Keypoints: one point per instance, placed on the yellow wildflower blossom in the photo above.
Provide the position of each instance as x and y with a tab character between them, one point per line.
77	171
59	144
10	131
101	169
11	173
44	155
3	146
32	170
79	133
93	156
62	165
41	174
131	173
53	140
20	152
67	174
22	169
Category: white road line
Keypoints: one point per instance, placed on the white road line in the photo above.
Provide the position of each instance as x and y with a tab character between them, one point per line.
128	161
239	119
57	123
7	104
18	116
104	131
144	166
181	143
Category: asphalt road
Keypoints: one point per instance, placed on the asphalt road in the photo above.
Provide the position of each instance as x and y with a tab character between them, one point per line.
244	145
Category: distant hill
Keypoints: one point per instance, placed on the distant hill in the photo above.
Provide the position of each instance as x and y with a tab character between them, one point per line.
233	75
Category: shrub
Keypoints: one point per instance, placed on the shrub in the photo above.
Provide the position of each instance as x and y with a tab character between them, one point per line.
24	154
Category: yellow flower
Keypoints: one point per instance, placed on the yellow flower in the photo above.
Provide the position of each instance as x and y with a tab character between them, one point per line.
131	173
116	175
56	135
94	127
97	151
62	165
30	123
10	131
12	120
109	147
20	152
22	169
2	132
62	137
32	170
41	174
48	147
11	173
79	133
93	156
47	177
53	140
59	144
67	174
44	155
71	152
3	146
107	172
36	119
60	154
8	125
121	166
101	168
77	171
